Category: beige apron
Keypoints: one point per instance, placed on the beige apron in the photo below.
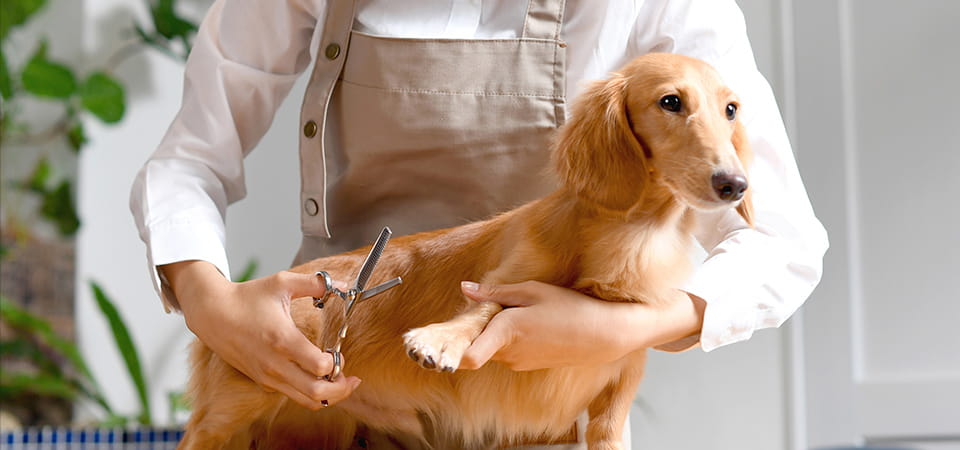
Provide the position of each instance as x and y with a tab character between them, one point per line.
420	134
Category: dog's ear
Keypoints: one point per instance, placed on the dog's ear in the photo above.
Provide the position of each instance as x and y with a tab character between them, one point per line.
597	154
742	145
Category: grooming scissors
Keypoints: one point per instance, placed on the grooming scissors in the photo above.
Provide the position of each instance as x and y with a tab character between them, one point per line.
355	295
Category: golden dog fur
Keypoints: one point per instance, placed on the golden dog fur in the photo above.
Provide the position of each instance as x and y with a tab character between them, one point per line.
618	229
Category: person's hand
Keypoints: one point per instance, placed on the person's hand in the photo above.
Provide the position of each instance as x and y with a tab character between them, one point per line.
545	326
249	326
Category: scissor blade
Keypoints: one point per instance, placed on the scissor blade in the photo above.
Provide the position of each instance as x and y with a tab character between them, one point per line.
379	288
367	269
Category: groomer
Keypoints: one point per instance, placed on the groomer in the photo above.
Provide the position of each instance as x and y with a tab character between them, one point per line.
422	114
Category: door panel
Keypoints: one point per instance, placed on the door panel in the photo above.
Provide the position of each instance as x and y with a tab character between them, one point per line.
878	138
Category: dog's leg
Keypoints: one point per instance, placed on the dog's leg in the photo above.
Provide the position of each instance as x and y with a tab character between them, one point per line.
440	346
608	411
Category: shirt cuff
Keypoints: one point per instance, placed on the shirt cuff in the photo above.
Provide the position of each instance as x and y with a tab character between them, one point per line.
170	243
726	280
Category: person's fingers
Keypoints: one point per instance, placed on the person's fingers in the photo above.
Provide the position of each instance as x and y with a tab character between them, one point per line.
339	389
306	389
294	394
310	358
304	284
498	334
505	294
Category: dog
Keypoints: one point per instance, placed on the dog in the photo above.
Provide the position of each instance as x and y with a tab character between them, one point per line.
643	151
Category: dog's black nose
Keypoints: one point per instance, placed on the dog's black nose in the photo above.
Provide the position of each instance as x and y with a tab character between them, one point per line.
728	186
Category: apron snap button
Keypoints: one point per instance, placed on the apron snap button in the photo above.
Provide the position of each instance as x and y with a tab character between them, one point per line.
311	207
310	129
332	51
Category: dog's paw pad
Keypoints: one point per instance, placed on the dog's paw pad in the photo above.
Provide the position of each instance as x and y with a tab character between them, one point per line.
436	347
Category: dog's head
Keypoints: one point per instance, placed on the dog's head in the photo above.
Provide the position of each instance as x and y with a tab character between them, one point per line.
663	121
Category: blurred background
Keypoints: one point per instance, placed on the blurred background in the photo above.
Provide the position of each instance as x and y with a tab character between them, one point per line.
869	92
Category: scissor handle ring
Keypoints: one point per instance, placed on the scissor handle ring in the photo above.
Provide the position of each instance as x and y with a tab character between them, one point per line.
328	289
337	365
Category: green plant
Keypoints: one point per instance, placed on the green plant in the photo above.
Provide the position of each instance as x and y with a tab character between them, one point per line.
54	366
121	337
249	272
57	368
96	93
42	363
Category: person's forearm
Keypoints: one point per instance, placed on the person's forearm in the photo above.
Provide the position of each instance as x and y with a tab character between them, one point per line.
545	326
677	319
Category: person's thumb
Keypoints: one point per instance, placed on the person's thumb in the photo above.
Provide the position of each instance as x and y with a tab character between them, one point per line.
497	335
305	284
504	294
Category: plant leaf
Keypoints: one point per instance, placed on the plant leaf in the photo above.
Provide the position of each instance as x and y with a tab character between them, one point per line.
76	137
6	84
38	180
14	13
179	401
168	23
248	272
19	347
114	421
45	78
17	383
103	96
21	319
57	207
127	349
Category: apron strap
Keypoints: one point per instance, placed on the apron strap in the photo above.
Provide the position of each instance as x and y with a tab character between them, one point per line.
329	64
544	19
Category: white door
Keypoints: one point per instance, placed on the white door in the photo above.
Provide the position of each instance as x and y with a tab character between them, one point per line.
878	139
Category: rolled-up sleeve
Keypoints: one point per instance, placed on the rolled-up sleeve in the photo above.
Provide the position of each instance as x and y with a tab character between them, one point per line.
246	57
752	278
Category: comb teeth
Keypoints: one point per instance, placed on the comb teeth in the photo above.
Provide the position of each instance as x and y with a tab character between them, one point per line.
372	258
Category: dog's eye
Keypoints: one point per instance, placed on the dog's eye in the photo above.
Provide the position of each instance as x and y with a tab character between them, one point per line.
671	103
731	111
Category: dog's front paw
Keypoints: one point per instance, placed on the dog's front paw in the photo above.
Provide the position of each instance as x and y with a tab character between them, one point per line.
439	346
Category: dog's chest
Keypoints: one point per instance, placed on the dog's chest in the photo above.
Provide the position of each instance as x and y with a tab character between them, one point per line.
641	259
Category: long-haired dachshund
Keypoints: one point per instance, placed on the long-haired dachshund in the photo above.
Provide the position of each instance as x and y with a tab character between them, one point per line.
642	150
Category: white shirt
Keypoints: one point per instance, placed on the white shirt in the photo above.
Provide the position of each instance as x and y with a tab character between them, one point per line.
248	53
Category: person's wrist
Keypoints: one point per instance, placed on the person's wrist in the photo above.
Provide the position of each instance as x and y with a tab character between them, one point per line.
631	324
679	318
194	282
